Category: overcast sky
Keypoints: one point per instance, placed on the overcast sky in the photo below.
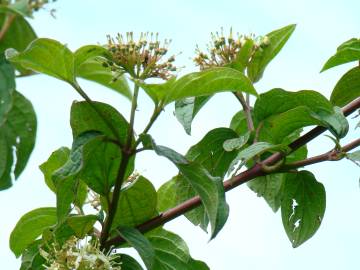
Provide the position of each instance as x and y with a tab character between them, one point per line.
253	237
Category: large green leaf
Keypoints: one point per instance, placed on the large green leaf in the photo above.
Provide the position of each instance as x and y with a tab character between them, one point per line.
171	252
302	207
7	87
208	187
17	139
101	156
284	112
141	244
137	203
347	52
186	110
210	154
46	56
18	36
263	56
347	88
56	160
209	82
29	227
93	70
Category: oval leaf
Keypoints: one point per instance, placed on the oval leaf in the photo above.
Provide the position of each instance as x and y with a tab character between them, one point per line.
209	82
302	207
347	52
347	88
263	56
29	227
17	138
46	56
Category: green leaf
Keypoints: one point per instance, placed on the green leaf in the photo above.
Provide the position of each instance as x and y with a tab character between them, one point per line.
270	187
31	258
347	88
209	82
17	139
347	52
284	112
65	178
186	110
7	88
208	187
81	225
29	227
101	156
167	195
137	203
18	36
263	56
302	207
56	160
141	244
93	70
171	252
129	263
46	56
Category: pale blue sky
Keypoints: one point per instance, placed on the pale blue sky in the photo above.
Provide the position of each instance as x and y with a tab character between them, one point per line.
253	238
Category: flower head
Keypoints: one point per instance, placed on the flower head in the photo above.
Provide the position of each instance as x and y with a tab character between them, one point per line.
76	254
141	59
224	50
38	4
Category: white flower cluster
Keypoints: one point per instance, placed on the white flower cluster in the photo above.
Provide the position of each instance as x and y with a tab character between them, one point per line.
77	254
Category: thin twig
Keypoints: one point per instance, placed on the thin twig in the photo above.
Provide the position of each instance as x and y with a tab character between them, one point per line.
247	110
332	155
242	178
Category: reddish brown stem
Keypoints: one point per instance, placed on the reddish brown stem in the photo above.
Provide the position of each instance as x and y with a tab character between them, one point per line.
241	178
332	155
